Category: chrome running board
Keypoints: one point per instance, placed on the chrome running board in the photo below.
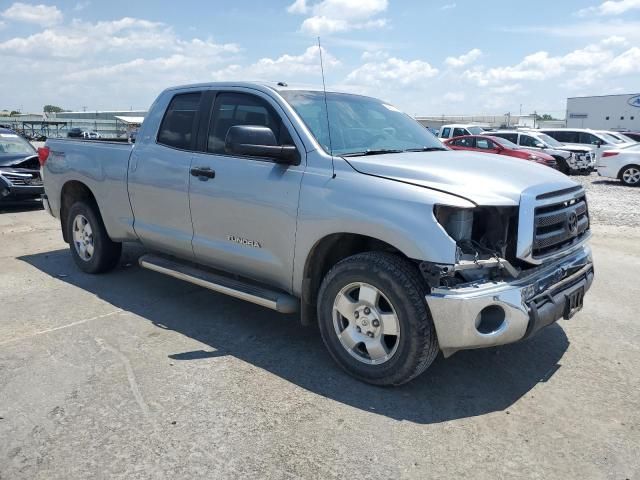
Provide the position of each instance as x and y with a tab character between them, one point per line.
278	301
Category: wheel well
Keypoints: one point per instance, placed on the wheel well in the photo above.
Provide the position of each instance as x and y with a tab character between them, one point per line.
324	255
73	191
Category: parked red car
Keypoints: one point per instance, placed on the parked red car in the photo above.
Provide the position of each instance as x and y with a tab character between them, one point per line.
500	146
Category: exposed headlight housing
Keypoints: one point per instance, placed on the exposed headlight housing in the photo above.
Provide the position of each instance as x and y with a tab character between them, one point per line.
457	222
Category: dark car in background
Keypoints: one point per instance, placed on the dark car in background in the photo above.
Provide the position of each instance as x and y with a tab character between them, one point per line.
19	168
75	133
633	135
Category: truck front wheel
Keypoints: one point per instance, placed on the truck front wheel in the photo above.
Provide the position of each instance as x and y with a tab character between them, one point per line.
91	248
374	319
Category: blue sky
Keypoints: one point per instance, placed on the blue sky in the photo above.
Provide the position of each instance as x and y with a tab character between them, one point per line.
427	57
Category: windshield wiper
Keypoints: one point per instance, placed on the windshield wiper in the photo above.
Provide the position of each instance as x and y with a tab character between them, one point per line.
426	149
380	151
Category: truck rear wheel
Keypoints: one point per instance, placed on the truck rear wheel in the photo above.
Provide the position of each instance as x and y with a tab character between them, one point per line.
91	248
374	319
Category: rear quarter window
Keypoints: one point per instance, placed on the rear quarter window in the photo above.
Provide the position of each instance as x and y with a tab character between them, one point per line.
178	126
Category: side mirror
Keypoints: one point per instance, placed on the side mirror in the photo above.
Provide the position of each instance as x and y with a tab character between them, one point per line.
259	141
599	143
539	145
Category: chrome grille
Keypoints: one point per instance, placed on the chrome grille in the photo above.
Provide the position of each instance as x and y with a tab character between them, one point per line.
23	179
559	225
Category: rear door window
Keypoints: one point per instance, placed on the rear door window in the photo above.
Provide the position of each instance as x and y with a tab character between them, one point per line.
445	132
512	137
232	109
466	142
588	138
528	141
485	144
564	136
179	123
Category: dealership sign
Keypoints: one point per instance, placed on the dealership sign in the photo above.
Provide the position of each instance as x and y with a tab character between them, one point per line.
634	101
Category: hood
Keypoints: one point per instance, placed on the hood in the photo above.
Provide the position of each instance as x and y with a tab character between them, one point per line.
29	161
482	178
548	152
575	148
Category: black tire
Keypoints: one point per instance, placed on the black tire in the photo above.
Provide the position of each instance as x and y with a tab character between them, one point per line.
401	283
625	169
106	253
563	166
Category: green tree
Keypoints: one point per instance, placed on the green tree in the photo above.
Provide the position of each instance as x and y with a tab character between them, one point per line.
14	113
52	109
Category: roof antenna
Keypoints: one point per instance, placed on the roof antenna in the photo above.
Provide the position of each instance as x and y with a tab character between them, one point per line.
326	109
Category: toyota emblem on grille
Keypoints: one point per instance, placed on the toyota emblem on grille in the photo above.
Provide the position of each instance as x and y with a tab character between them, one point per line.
572	223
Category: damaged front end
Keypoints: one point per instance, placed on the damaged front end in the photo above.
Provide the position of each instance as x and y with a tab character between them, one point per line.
491	295
486	242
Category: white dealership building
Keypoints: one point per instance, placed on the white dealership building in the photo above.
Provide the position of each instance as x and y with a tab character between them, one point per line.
605	112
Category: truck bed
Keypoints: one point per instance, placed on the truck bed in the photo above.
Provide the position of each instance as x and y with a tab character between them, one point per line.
102	166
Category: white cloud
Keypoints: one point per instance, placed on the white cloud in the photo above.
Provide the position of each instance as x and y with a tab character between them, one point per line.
283	68
330	16
626	63
588	66
610	7
541	66
392	72
463	60
299	6
43	15
448	6
78	39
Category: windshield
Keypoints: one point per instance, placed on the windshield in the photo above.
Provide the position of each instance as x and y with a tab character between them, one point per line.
359	125
475	130
505	143
552	142
12	144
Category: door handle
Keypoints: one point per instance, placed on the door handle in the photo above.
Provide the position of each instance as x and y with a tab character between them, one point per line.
203	172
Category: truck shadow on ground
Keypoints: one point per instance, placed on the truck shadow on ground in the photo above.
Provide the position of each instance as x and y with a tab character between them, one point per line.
468	384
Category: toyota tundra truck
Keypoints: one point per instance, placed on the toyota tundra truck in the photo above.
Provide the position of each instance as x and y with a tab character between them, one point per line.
338	208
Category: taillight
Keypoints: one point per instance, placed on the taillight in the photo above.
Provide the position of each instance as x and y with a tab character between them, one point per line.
609	154
43	154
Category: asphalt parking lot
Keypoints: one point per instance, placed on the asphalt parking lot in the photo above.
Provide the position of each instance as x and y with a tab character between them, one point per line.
136	375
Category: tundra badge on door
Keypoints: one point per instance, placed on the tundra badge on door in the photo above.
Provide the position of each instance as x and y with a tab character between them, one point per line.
244	241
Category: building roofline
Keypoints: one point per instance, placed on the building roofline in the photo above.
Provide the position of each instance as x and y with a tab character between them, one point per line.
610	95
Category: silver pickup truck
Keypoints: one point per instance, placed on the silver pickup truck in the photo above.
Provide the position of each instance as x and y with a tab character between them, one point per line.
359	221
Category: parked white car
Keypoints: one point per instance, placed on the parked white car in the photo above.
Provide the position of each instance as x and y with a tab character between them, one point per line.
620	137
584	136
459	129
572	159
622	163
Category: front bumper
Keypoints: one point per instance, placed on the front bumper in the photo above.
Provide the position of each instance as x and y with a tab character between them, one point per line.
15	192
489	313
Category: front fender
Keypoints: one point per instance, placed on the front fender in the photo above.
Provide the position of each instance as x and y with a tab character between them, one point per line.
394	212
